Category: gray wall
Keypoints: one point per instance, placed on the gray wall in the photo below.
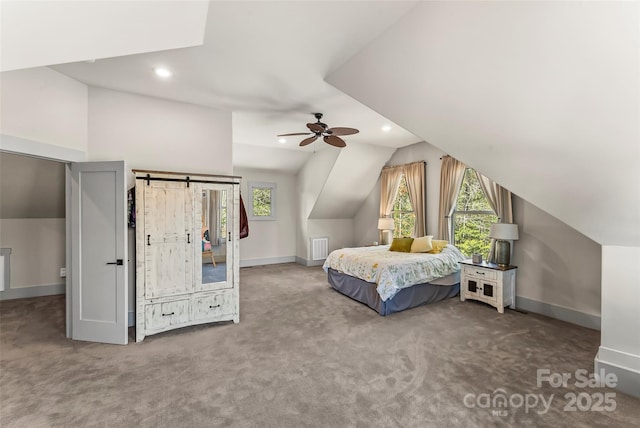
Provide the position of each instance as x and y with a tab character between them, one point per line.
32	224
366	220
270	241
556	264
31	187
558	268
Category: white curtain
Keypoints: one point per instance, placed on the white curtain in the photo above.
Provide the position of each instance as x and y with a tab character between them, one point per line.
415	177
451	176
214	215
389	182
500	201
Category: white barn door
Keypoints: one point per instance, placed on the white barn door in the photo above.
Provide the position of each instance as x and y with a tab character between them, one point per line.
98	267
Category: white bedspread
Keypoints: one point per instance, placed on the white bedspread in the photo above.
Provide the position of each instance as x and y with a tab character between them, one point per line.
393	270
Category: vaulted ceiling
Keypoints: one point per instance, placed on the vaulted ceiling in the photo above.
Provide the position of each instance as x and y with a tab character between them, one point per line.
265	61
540	96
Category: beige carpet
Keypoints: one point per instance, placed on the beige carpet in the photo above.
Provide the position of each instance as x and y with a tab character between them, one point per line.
302	356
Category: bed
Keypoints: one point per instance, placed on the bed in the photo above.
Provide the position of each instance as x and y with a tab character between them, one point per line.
390	281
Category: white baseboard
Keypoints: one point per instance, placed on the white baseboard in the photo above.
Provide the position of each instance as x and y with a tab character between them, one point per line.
628	380
559	312
269	261
37	291
305	262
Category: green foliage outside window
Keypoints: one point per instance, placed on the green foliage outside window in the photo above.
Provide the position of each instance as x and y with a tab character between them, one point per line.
404	218
473	217
261	202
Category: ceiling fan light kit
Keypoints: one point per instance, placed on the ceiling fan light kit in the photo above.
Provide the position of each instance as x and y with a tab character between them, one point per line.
329	135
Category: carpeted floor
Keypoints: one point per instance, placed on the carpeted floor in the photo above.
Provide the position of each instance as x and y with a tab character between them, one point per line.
302	356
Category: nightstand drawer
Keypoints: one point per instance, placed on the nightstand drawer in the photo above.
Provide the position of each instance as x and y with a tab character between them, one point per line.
479	272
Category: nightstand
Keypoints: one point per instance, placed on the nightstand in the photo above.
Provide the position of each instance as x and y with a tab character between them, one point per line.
488	283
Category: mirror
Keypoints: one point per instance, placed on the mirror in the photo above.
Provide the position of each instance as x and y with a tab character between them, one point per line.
214	236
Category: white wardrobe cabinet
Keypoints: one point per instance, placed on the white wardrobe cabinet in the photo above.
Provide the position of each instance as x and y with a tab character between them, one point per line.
187	262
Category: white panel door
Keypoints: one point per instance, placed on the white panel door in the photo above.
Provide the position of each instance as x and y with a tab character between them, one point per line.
169	238
98	252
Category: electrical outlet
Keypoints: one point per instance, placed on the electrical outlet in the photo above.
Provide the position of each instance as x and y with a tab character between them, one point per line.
63	272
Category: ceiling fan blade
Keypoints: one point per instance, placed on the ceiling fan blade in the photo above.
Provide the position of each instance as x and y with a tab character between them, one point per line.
295	133
315	127
309	140
343	131
335	141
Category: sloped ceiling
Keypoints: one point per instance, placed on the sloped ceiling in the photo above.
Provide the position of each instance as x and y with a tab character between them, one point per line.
353	175
542	97
265	61
42	33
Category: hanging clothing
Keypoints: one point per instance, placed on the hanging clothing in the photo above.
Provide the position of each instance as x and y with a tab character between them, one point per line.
244	220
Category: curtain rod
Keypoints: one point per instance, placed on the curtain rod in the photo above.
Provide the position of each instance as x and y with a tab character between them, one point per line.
403	165
187	180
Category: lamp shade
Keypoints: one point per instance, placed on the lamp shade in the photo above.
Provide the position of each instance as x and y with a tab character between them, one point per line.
504	231
385	224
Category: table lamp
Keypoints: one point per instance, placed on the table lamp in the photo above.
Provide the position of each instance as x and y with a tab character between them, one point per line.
503	233
385	225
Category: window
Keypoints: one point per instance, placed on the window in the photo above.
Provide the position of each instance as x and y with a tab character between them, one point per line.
403	215
262	201
472	217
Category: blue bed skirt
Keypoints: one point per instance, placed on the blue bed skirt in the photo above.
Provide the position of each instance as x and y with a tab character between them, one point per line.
407	298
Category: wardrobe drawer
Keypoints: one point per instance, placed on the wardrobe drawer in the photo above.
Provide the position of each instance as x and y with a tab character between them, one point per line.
212	305
479	272
159	316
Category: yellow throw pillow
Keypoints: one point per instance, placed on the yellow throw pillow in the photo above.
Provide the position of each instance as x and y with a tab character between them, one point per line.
438	245
402	245
422	245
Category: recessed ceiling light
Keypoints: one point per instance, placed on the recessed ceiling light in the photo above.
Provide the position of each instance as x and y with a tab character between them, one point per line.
282	140
386	128
163	72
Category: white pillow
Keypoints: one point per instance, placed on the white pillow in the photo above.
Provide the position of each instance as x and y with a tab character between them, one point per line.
422	245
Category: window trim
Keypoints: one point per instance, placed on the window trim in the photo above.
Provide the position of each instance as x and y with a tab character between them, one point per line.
262	185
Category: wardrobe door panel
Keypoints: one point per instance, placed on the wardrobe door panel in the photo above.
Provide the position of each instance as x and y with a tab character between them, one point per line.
168	223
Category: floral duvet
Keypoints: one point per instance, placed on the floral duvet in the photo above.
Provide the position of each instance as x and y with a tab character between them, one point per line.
392	270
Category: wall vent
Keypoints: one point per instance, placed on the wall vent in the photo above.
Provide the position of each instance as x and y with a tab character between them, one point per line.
319	248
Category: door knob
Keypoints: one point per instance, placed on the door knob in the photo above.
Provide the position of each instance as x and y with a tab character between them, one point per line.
118	262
